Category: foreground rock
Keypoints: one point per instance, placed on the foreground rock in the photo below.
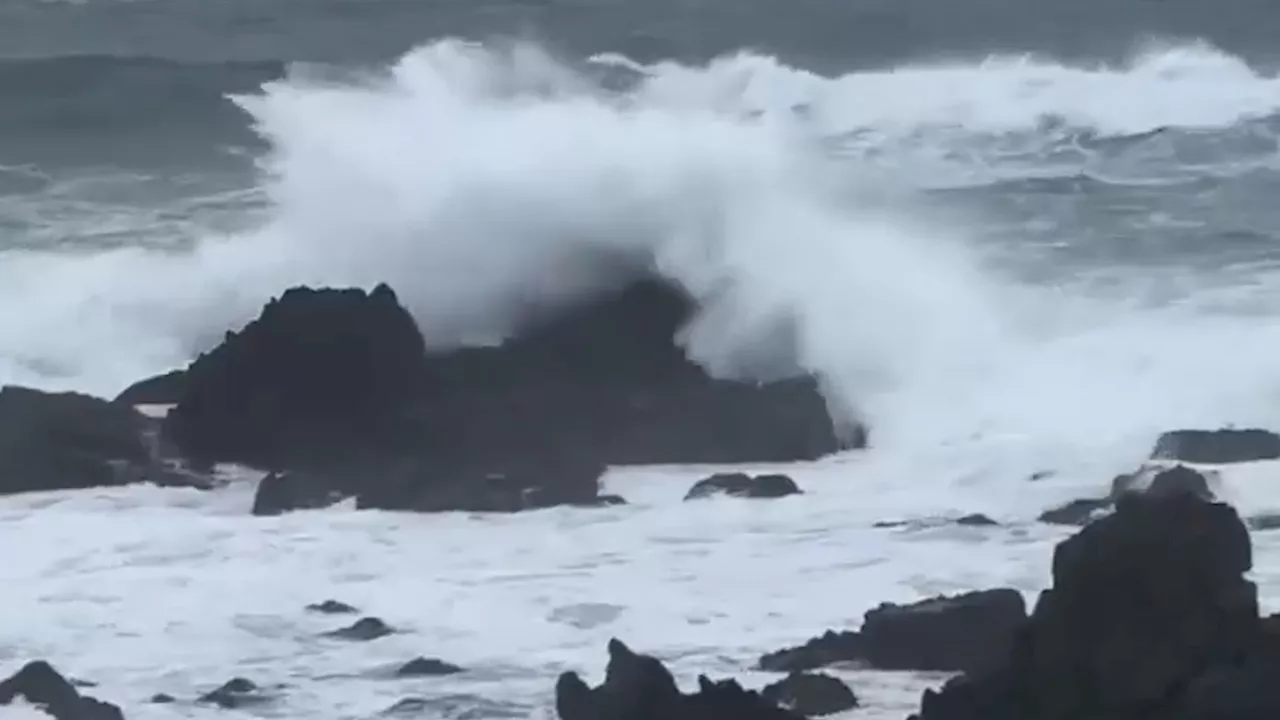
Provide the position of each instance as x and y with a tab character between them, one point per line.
39	684
1149	617
1218	446
639	687
62	441
965	632
337	386
744	485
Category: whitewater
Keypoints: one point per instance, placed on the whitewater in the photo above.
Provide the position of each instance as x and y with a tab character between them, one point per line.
1010	268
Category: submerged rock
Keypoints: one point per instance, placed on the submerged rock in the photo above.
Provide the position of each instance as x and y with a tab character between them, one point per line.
1149	616
39	684
333	607
1228	445
744	485
640	687
236	693
366	628
428	667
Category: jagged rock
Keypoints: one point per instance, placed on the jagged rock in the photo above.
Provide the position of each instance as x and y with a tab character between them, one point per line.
1077	512
640	687
827	649
282	492
332	607
163	389
1149	616
338	385
1228	445
162	699
423	667
366	628
322	380
811	694
1176	479
62	441
235	693
744	485
39	684
962	632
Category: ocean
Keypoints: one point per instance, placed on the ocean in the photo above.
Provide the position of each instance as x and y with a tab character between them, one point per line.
1019	239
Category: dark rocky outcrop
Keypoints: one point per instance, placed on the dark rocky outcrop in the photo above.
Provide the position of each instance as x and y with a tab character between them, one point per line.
1158	480
830	648
366	628
639	687
322	380
1228	445
338	385
811	694
332	607
1149	617
427	667
62	441
959	633
237	693
281	492
163	389
39	684
743	485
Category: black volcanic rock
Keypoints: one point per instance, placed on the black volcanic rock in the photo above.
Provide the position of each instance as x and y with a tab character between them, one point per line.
59	441
237	693
322	380
811	694
364	629
332	607
163	389
281	492
337	385
965	632
640	687
744	485
1149	617
39	684
427	667
1228	445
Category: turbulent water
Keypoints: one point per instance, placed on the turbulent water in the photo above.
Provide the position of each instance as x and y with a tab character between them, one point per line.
1015	237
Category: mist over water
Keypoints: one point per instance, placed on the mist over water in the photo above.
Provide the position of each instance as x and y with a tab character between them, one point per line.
482	180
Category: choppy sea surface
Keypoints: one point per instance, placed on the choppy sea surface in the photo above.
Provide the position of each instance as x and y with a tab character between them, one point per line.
1017	239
